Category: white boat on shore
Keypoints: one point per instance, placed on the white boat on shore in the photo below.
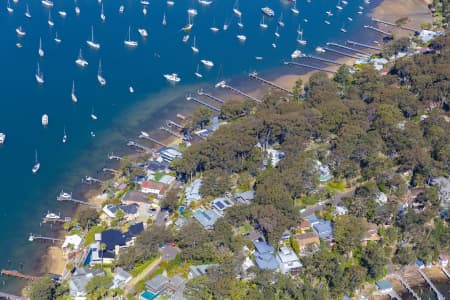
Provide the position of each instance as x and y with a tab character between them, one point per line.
81	61
172	77
207	63
91	42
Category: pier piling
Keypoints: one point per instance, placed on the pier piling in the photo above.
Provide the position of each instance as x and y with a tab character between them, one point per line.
363	45
212	107
323	60
308	66
202	93
255	76
377	30
223	85
68	197
139	146
348	48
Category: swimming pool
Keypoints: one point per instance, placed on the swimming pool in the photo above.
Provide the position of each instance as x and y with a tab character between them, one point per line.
147	295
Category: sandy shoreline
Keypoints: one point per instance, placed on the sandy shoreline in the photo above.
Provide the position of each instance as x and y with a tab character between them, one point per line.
389	10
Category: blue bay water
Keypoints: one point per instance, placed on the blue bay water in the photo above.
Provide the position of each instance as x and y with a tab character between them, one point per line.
25	197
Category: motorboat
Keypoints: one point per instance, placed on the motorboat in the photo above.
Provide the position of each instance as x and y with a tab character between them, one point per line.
225	27
185	38
77	10
343	30
276	33
300	39
164	21
214	29
129	42
170	3
44	120
91	42
268	11
52	216
241	37
338	6
20	31
274	45
296	54
131	89
350	19
73	95
320	49
47	3
2	138
239	23
204	2
172	77
100	77
39	75
19	45
64	195
294	9
207	63
80	60
143	32
145	134
192	12
121	9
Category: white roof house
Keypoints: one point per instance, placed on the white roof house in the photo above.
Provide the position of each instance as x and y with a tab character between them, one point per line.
288	261
74	240
192	192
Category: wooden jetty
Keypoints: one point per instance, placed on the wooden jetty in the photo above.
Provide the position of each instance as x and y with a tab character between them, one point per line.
377	30
363	45
223	85
393	24
114	171
56	220
15	273
255	76
171	123
341	53
433	287
147	137
200	92
68	197
406	286
10	296
112	156
33	237
330	61
170	131
348	48
212	107
139	146
308	66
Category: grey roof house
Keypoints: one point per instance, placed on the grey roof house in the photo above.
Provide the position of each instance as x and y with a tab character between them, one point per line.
245	197
78	282
324	229
207	217
199	270
264	256
192	191
121	277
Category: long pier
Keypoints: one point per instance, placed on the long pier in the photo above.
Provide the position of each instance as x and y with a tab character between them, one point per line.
170	131
363	45
202	93
114	171
15	273
393	24
212	107
406	286
330	61
254	75
139	146
90	180
445	272
223	85
147	137
68	197
377	30
341	53
56	220
10	296
308	66
433	287
112	156
348	48
33	237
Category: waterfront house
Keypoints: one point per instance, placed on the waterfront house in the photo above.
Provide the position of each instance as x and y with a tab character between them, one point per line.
130	211
288	261
306	241
220	204
384	286
71	245
110	210
443	260
79	280
134	197
157	284
207	218
264	256
155	188
324	171
192	192
325	230
169	154
121	278
199	270
155	166
245	197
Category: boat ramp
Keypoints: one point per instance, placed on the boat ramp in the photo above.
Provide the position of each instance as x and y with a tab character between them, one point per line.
255	76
